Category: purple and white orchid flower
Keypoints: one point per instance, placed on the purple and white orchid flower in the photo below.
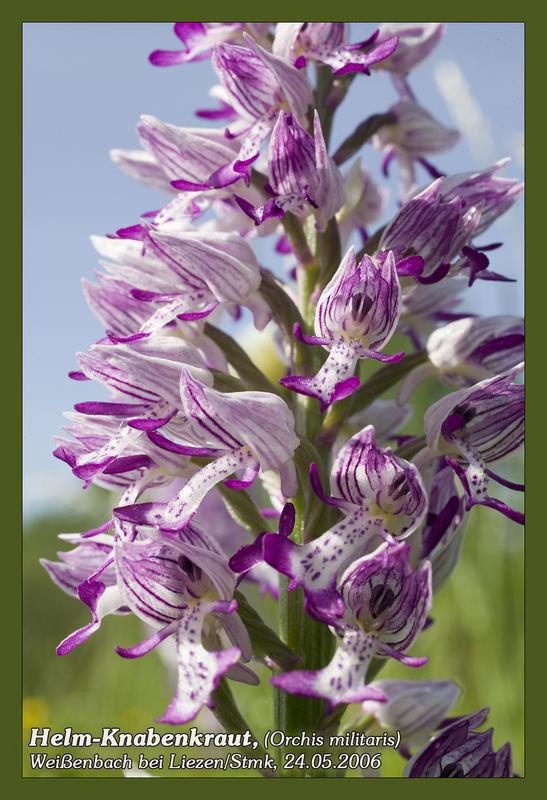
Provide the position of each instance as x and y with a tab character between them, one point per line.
468	350
257	85
434	227
478	426
303	177
242	431
386	604
356	315
144	376
440	222
379	494
199	271
326	43
175	583
413	135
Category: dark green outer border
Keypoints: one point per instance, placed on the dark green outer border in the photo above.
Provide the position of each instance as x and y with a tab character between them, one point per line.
534	296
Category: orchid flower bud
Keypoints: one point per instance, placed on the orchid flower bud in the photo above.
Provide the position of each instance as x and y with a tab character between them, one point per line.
414	708
303	177
468	350
459	751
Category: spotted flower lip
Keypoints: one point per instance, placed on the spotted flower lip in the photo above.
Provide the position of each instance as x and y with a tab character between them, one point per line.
343	679
459	751
386	604
356	315
380	495
414	708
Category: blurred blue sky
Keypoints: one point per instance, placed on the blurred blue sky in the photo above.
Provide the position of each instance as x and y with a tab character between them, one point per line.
85	86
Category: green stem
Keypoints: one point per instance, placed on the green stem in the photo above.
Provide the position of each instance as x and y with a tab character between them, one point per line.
297	238
312	640
323	87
